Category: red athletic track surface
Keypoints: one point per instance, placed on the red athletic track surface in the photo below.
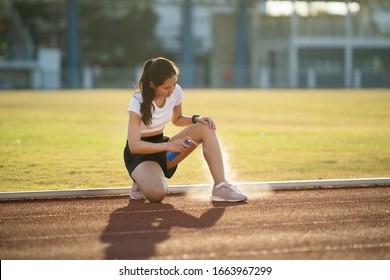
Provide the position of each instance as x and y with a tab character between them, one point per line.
321	223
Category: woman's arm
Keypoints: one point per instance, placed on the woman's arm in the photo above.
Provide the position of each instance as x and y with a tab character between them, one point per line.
134	138
180	120
137	146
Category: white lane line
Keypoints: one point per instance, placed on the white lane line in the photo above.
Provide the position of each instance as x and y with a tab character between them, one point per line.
83	235
153	231
185	188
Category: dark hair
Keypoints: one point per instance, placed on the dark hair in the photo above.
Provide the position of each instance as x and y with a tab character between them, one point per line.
156	70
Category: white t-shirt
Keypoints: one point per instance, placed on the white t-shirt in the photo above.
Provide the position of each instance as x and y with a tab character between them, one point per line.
161	116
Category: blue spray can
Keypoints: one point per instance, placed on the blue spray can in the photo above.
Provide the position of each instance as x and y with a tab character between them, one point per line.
172	155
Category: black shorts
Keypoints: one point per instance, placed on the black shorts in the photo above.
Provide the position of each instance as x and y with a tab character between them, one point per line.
132	160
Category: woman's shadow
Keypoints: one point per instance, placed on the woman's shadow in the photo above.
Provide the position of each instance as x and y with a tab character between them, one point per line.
134	231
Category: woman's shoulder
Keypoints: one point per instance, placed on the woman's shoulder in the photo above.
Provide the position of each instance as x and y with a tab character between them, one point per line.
137	97
178	87
178	90
135	102
178	95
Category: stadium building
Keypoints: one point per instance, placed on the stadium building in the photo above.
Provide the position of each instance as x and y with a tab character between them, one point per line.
305	44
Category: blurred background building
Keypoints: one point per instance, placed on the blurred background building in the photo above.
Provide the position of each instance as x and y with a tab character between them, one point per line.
216	43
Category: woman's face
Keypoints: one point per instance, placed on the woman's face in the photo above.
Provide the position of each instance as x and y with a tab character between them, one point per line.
167	87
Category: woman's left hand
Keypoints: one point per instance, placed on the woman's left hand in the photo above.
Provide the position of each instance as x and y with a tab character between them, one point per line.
207	121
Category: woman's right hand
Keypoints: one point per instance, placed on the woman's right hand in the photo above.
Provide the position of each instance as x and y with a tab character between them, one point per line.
178	145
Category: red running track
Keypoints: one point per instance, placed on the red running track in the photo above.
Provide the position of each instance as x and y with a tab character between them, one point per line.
319	224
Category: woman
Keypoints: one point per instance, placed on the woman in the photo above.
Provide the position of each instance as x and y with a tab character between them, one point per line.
158	102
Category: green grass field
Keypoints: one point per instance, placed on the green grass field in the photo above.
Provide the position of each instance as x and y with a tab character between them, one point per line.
74	139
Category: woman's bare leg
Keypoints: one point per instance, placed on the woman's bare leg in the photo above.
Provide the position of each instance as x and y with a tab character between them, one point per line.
151	181
201	133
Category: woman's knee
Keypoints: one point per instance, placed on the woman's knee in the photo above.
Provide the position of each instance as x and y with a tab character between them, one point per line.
151	181
155	193
204	130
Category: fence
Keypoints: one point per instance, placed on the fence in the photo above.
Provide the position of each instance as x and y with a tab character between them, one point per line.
31	77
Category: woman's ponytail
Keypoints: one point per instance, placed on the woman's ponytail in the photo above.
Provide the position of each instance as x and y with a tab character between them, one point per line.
147	108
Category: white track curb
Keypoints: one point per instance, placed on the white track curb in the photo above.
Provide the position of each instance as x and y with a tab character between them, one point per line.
185	188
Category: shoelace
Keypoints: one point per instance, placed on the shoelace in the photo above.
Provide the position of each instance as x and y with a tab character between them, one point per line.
233	188
228	186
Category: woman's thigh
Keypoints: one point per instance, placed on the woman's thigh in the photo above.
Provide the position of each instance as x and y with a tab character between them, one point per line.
195	132
151	180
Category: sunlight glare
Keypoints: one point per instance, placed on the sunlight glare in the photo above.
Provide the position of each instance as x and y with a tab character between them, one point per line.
304	8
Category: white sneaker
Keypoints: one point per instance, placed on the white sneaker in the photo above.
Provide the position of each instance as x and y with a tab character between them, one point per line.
227	192
135	192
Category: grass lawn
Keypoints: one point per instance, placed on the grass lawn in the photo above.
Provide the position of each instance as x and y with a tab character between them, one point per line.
74	139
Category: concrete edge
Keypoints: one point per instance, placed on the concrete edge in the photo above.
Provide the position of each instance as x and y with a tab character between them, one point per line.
185	188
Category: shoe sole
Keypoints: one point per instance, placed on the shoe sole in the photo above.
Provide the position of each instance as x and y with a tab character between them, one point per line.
220	198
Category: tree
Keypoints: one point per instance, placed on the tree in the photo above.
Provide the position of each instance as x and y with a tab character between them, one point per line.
112	33
118	34
44	20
